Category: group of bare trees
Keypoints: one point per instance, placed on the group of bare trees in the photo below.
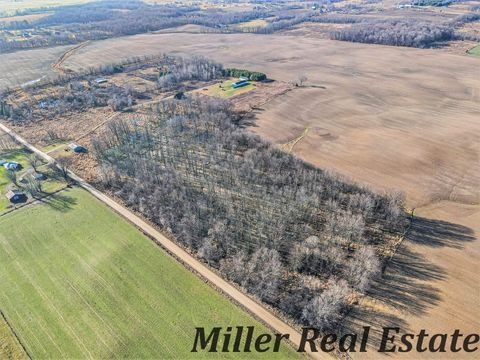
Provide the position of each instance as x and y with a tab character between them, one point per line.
298	238
75	96
81	91
397	32
406	32
194	68
288	21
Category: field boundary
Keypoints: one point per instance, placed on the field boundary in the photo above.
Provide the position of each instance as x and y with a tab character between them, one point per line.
12	330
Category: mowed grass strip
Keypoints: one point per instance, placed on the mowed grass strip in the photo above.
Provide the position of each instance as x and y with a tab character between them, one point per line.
80	282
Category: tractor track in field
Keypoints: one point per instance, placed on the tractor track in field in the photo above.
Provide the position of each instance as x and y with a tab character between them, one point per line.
58	65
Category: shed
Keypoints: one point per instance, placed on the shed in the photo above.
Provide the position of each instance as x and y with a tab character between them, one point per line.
77	148
239	84
100	80
12	166
37	176
16	196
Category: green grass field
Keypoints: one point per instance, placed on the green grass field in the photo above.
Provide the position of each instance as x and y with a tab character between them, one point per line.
80	282
224	90
474	51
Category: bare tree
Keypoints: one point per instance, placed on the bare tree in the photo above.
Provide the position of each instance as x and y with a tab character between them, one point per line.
362	268
264	270
325	310
63	165
234	267
33	186
34	161
12	176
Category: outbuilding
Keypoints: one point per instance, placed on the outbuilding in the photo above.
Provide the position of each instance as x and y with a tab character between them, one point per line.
100	80
12	166
16	196
239	83
77	148
37	176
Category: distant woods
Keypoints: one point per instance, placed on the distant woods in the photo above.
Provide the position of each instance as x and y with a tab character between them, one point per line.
405	32
301	239
397	31
105	19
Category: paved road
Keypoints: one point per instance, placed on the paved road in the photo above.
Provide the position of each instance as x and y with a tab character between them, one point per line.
245	301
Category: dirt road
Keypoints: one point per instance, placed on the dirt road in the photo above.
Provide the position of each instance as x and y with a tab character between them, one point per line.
188	260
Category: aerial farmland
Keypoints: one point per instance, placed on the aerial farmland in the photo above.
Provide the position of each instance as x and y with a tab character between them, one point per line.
205	179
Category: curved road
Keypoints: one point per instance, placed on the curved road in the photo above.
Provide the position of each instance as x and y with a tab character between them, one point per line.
244	300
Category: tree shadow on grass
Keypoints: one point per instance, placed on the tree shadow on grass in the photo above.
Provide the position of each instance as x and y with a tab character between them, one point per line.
59	202
408	284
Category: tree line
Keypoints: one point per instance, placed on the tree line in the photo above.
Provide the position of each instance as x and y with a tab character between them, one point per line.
406	32
288	21
251	75
301	239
